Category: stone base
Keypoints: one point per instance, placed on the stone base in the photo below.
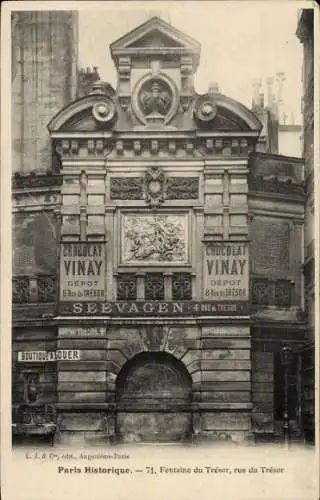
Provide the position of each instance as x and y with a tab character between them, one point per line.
83	439
242	438
223	427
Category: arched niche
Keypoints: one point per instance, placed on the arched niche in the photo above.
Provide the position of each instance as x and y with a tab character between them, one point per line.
153	399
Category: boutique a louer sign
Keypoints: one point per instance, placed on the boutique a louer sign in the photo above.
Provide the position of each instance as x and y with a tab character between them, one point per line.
82	271
226	271
43	356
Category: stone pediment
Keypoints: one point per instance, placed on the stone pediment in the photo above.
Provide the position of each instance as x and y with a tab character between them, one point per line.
155	36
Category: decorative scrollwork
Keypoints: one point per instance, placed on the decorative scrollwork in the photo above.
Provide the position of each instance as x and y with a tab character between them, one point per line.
127	287
283	293
20	290
104	111
262	292
182	286
266	292
47	289
154	287
155	187
182	188
126	188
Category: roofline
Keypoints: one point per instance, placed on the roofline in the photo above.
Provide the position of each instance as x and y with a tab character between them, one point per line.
294	159
241	110
194	50
164	24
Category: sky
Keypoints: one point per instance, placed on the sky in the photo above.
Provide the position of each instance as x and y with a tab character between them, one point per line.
240	41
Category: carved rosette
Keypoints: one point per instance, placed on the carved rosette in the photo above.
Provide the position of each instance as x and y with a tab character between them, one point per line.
205	108
104	111
154	186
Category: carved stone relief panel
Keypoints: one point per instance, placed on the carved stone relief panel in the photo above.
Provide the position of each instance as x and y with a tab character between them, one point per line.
155	187
126	188
182	188
154	239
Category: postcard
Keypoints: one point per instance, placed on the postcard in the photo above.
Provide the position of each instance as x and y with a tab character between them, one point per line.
160	267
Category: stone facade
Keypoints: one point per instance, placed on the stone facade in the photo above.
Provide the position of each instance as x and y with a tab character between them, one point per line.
161	183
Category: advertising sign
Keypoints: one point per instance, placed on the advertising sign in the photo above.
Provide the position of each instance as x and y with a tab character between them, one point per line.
226	271
82	271
152	308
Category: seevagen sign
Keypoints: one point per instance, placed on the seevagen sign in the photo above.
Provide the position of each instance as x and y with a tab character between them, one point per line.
153	308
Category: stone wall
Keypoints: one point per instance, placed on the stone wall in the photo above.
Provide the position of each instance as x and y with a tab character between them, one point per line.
225	383
34	243
44	55
262	391
210	399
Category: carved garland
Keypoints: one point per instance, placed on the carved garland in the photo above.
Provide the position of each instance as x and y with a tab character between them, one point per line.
155	188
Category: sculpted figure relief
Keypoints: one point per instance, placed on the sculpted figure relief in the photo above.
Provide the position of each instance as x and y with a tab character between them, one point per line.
155	97
154	238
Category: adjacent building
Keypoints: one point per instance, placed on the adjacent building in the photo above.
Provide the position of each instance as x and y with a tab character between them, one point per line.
305	33
157	263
